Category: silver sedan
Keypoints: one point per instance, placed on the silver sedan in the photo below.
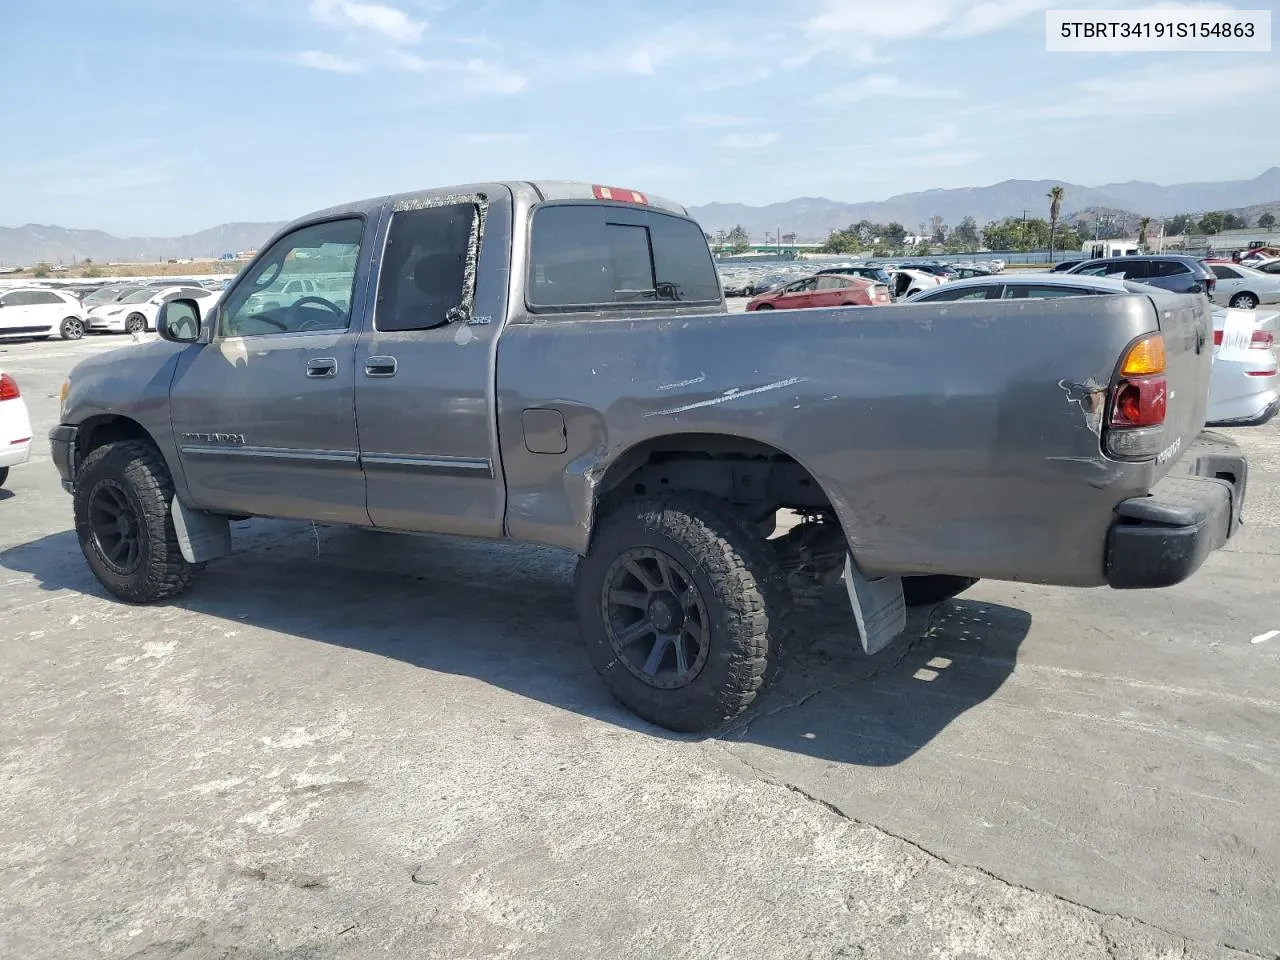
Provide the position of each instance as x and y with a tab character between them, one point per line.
1243	287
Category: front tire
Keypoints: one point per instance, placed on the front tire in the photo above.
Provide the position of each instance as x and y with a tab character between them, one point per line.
136	323
122	499
72	328
1244	301
765	306
682	607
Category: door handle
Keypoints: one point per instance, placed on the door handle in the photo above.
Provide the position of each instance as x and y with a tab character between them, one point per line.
380	367
322	367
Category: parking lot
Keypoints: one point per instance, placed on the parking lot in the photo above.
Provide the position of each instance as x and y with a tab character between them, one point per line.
342	744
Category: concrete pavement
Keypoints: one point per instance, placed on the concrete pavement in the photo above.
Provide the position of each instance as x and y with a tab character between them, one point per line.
345	744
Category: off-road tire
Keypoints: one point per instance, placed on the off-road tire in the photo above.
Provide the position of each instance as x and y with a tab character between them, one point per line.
71	328
738	579
135	323
138	471
921	591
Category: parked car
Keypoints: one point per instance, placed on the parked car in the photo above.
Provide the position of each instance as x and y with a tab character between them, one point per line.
907	282
39	312
1245	387
1065	266
15	426
104	296
1267	266
1243	390
937	269
514	365
1243	287
1177	274
964	273
877	274
136	313
1256	255
1025	286
826	290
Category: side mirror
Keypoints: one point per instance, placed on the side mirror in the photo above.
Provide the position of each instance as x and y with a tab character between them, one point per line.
179	321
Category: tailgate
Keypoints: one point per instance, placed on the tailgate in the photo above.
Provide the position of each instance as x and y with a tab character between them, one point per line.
1186	320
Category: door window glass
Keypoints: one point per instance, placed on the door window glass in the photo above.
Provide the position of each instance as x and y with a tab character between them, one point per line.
1025	291
984	292
423	283
1224	273
832	283
324	254
1164	268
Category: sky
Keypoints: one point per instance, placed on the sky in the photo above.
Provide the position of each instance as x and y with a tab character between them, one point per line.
165	117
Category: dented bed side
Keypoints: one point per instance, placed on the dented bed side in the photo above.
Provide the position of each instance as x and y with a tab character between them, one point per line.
963	438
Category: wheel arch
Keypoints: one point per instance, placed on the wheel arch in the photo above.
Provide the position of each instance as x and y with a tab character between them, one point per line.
103	428
758	476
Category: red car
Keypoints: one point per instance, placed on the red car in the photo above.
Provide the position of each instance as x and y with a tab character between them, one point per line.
828	290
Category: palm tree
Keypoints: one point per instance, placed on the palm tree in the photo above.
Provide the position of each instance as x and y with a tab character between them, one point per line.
1055	210
1142	232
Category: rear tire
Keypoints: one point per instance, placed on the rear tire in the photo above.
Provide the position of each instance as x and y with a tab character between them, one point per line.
72	328
921	591
765	306
123	495
136	323
1244	301
682	606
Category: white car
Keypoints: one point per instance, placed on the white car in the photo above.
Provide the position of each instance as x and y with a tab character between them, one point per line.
907	282
1243	287
1244	389
15	426
39	312
137	312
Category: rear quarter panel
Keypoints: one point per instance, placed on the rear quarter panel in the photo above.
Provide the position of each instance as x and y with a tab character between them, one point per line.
959	438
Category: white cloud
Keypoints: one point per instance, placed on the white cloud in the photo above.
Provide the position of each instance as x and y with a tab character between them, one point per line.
390	23
749	141
403	60
481	76
717	120
876	85
319	60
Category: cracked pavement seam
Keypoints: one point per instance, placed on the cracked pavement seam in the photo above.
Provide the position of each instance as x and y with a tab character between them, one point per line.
756	774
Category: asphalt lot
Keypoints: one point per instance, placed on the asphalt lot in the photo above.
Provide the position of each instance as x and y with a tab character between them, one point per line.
343	744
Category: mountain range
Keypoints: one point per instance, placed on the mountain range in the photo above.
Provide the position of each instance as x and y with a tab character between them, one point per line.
814	217
807	217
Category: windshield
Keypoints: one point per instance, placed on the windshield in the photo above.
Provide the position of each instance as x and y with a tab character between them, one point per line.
140	296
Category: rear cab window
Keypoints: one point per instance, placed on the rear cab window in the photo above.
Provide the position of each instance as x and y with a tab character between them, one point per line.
591	256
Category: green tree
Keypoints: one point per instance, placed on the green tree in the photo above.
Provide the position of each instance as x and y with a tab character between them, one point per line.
965	237
1178	224
739	239
1231	221
894	235
1267	221
1055	196
1212	222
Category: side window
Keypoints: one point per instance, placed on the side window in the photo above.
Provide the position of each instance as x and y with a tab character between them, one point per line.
984	292
1127	270
1019	291
43	298
423	283
258	304
596	255
1166	268
1097	270
832	283
1224	273
14	299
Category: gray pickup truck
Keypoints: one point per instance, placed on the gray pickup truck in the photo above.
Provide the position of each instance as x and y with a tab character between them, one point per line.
553	363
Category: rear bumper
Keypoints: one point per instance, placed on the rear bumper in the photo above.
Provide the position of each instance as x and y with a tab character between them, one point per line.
62	447
1163	538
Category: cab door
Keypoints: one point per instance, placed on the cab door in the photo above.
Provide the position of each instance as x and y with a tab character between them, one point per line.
18	314
263	413
798	294
425	367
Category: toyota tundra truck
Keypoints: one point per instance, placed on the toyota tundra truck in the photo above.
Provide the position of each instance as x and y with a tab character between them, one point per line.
553	363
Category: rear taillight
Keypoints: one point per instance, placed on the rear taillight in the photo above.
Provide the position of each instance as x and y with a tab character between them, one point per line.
1139	401
1260	340
9	388
618	193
